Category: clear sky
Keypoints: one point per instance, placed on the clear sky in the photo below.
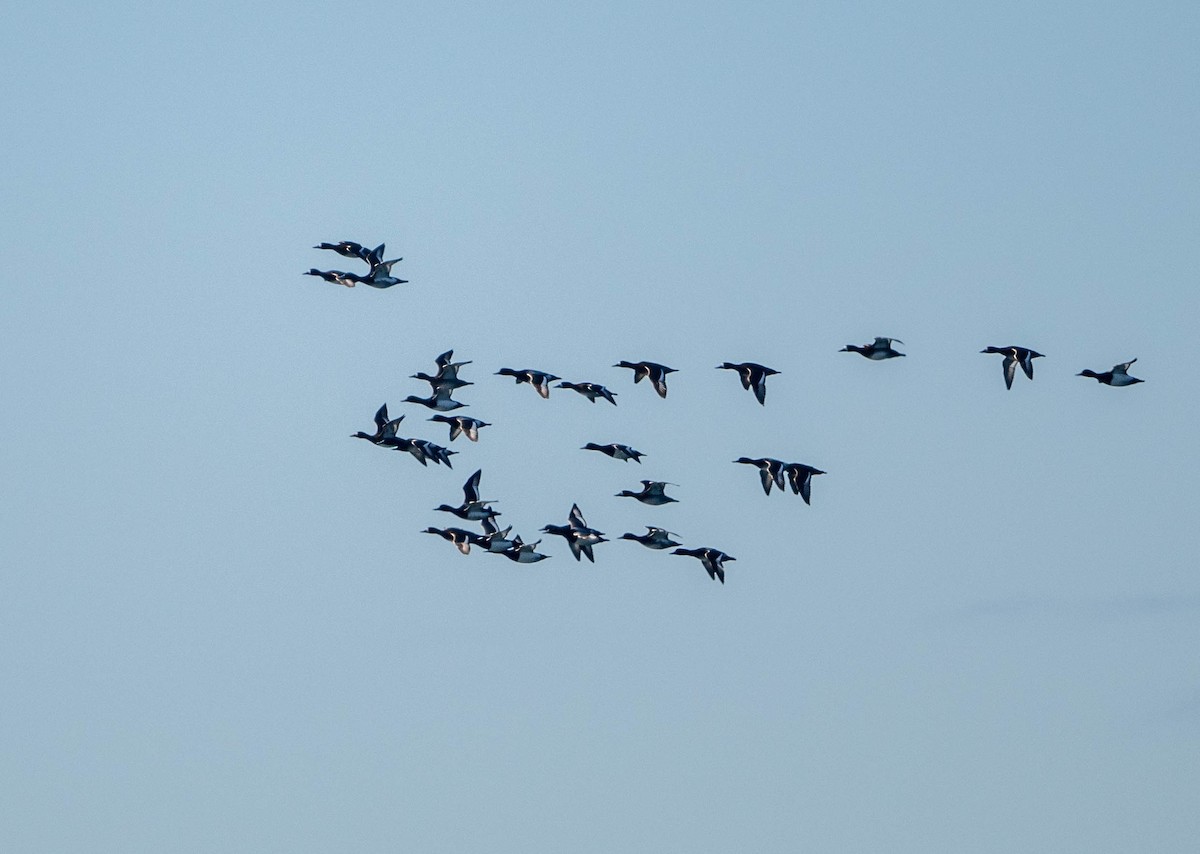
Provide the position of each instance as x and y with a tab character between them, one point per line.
220	626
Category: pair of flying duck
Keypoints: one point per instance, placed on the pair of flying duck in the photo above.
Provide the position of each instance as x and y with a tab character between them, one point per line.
379	274
385	437
773	471
1118	376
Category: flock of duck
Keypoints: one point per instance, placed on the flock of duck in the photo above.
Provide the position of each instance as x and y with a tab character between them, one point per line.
580	537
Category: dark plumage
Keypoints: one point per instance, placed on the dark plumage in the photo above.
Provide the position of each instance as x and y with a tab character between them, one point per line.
540	380
616	451
713	561
753	376
1012	357
655	372
1118	376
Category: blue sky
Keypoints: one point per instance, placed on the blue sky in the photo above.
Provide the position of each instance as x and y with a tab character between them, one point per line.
221	627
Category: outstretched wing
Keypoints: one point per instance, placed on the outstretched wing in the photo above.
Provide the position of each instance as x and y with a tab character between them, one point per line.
471	487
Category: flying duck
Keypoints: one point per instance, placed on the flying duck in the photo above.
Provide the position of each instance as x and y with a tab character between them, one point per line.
337	277
523	552
473	507
753	375
350	249
460	425
800	478
656	372
384	429
438	383
1118	376
461	539
654	538
1012	356
652	493
540	380
381	275
881	349
617	452
578	535
591	391
770	470
421	449
713	561
439	400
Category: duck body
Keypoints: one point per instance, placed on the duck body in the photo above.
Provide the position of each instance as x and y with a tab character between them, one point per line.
652	493
540	380
523	552
1014	356
1117	377
461	425
473	507
656	373
337	277
591	391
654	538
800	479
616	451
753	376
461	539
879	350
578	535
385	428
713	561
439	400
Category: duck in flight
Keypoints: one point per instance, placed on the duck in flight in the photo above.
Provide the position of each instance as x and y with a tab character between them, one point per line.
540	380
654	538
655	372
337	277
881	349
461	425
578	535
439	400
462	539
1012	357
473	507
591	391
384	428
753	376
520	552
652	493
350	249
616	451
800	479
713	561
421	449
1118	376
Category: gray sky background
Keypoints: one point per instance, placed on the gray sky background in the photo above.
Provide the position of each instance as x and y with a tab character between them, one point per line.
220	627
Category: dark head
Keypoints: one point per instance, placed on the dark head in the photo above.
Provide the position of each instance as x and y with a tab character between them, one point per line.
625	493
628	537
432	531
688	552
1088	372
445	508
